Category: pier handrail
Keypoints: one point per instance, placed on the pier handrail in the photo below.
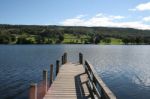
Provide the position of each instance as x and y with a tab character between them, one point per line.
45	84
96	85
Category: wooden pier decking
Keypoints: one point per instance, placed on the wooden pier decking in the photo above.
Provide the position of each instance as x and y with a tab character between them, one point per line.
73	81
69	84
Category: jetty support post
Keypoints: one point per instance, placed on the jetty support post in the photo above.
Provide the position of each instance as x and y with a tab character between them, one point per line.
51	74
45	81
80	58
33	91
57	67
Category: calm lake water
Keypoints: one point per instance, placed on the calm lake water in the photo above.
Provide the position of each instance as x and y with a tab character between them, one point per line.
125	69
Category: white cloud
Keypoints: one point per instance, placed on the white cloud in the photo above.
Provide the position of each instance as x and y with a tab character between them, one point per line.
99	15
109	16
80	16
117	17
132	9
146	19
134	24
104	20
141	7
73	22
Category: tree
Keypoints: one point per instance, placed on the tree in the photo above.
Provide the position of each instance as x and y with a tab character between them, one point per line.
97	39
125	40
13	38
139	40
61	38
23	40
39	39
107	40
58	42
4	39
49	41
147	40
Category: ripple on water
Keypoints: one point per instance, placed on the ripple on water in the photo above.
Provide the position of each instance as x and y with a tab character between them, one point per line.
125	69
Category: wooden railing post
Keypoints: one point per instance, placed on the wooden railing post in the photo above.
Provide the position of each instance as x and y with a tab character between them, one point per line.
51	74
62	59
45	81
80	58
65	57
57	67
33	91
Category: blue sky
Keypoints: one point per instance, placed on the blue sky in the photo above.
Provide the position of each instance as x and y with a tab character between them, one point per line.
111	13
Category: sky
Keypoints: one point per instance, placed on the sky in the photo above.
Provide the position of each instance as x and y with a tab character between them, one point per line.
107	13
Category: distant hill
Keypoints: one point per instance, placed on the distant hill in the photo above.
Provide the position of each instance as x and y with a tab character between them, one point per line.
51	34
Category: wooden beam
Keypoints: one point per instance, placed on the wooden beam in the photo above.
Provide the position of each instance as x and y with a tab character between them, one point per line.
65	57
51	74
33	91
45	81
57	67
80	58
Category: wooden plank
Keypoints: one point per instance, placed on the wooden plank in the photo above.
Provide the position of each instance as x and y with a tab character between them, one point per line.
69	84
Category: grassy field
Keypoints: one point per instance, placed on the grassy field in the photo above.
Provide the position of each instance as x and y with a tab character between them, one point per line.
113	41
70	38
73	39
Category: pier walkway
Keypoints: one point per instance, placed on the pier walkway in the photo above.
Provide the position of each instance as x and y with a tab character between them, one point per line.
73	81
69	84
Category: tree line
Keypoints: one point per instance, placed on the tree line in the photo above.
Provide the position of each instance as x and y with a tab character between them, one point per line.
50	34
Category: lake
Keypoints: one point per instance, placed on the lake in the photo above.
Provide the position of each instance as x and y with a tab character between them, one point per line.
125	69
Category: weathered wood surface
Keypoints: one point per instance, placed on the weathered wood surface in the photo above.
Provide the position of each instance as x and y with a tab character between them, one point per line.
71	83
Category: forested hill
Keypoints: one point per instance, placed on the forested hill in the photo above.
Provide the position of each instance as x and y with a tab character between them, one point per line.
38	34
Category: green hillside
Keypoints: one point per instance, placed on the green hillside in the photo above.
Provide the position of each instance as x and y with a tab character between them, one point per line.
38	34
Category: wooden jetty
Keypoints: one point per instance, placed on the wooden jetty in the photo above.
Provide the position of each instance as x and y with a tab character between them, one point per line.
73	81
